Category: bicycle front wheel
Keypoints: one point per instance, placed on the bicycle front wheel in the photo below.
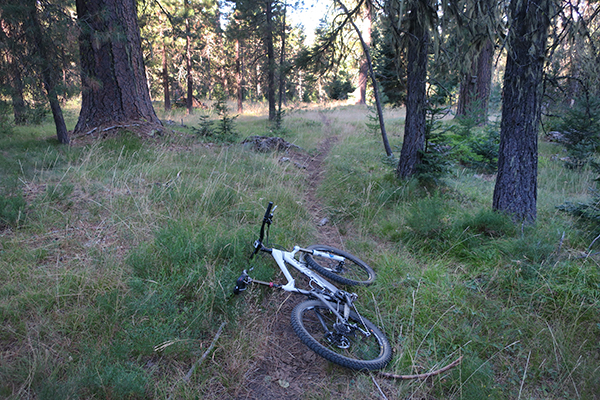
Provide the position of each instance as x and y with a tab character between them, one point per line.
357	344
352	271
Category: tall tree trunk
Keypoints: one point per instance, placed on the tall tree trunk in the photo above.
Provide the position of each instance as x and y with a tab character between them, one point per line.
515	192
165	77
188	61
414	125
281	63
474	92
270	61
48	72
363	72
239	77
113	78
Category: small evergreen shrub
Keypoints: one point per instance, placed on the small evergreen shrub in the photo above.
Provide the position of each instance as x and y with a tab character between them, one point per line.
205	127
485	149
225	126
339	88
580	128
435	157
221	130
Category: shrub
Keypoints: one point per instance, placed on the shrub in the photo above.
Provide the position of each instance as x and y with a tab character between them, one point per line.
485	149
339	88
580	127
222	130
435	156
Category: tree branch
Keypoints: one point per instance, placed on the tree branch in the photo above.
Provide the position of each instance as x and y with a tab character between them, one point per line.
422	376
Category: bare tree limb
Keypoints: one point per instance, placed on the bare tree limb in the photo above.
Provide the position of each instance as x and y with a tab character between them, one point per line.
422	376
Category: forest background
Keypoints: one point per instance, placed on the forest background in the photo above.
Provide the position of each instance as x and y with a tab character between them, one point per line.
119	251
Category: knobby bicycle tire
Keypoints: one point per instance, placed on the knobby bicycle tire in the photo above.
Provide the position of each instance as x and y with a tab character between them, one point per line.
353	349
353	272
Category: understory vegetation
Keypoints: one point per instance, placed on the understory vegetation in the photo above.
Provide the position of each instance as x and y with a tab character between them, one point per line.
118	259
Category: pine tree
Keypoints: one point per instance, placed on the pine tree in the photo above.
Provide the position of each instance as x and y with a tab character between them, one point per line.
515	192
114	87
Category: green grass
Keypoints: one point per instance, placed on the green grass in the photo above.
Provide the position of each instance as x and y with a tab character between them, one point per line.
117	262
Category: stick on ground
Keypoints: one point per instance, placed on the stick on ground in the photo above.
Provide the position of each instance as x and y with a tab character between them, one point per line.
197	363
423	376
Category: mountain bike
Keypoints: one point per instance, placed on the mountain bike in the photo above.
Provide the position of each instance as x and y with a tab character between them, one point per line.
328	322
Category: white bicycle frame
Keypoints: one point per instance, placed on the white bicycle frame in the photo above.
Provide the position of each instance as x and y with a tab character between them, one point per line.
282	257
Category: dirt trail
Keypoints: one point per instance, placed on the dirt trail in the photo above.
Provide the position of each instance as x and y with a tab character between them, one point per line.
284	368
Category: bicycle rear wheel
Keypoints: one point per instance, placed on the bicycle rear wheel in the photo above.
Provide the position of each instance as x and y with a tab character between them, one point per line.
357	344
353	271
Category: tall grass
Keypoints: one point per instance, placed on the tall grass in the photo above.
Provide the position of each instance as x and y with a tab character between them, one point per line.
118	271
457	279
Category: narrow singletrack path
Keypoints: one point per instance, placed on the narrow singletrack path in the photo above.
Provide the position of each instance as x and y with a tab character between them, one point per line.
284	368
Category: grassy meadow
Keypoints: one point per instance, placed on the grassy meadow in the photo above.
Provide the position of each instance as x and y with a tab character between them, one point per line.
118	259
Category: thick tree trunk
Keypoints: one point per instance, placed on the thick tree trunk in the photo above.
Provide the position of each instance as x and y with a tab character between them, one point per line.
415	123
270	61
363	72
114	86
474	93
515	192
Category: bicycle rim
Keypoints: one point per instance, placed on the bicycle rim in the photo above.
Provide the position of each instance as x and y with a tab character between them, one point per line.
352	271
366	348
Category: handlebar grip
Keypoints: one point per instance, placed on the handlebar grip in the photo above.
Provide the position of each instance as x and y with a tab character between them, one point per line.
268	212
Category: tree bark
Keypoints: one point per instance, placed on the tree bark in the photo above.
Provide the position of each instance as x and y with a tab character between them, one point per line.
188	61
48	72
239	77
515	192
281	63
474	92
165	78
415	123
113	78
270	61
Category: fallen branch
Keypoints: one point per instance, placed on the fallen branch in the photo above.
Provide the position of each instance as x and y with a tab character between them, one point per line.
191	371
422	376
187	377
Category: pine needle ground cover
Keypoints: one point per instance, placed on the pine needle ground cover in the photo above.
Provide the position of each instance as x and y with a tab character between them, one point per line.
118	259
